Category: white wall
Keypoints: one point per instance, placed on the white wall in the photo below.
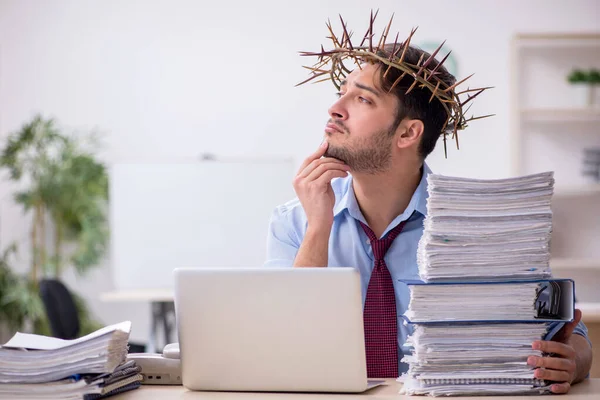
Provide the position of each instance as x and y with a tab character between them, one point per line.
170	79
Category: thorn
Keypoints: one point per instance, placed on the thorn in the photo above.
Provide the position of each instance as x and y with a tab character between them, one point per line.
397	81
387	70
471	98
371	35
412	86
456	136
474	90
434	91
440	64
346	35
457	83
393	52
406	44
366	33
311	78
386	31
480	117
431	58
445	147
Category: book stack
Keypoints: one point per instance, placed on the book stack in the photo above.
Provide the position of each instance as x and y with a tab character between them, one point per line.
91	367
486	292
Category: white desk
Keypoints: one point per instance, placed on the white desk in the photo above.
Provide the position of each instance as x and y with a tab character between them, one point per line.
586	390
161	301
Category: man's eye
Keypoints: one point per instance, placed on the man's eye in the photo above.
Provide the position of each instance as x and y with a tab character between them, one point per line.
339	94
363	100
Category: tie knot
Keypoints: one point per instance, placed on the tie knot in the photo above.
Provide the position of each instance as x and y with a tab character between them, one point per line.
381	246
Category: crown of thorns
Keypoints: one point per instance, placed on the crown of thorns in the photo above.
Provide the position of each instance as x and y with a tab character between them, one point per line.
425	73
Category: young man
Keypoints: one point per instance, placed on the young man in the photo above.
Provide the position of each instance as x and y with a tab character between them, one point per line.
372	220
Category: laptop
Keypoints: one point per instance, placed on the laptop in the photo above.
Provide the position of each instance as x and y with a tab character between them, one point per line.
271	329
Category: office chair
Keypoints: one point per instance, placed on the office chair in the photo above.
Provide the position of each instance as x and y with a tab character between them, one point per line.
62	312
60	309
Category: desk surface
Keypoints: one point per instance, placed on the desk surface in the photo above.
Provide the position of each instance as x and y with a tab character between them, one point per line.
588	390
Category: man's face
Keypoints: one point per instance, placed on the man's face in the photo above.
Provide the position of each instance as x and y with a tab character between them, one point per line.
361	125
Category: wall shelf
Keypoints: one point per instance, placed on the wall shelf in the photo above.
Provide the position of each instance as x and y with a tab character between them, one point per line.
590	312
551	127
554	115
534	41
575	263
577	191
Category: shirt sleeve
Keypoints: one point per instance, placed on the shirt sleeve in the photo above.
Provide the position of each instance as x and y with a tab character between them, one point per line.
580	329
282	240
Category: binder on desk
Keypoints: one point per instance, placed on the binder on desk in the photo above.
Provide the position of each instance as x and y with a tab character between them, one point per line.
474	338
543	300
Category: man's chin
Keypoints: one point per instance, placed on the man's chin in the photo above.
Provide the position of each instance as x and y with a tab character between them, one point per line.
333	155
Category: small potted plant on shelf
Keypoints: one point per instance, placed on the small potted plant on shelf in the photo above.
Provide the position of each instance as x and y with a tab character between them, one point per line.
594	82
586	82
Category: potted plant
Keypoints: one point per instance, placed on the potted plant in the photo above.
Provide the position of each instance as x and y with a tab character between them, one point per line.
586	82
578	79
65	188
594	82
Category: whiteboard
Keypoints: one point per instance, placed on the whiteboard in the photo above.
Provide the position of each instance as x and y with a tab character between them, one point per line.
196	214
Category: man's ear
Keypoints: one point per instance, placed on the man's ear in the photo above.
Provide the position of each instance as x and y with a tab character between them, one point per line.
410	132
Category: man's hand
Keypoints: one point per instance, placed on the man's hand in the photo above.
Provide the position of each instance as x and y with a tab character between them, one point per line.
313	187
560	365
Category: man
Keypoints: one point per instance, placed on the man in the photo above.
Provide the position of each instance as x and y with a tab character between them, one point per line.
374	217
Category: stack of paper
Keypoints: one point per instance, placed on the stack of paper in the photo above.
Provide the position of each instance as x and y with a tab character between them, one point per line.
487	230
473	302
40	367
484	264
473	359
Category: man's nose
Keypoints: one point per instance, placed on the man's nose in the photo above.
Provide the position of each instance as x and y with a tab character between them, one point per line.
338	111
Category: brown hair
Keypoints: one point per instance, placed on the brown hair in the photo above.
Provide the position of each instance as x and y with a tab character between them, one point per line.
416	104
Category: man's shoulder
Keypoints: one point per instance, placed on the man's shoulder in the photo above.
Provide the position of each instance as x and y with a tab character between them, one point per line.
288	208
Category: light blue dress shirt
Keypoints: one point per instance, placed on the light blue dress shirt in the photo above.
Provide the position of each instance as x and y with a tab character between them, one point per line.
349	246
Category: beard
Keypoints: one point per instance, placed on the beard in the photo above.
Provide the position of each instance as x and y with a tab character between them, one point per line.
369	155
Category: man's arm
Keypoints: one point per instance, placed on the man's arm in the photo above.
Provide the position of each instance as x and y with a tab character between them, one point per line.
313	187
282	239
583	356
569	360
314	249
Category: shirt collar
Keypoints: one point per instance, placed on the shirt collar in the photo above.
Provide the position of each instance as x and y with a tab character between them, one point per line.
417	202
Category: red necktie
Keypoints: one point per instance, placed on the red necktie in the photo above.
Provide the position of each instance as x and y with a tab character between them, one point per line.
380	319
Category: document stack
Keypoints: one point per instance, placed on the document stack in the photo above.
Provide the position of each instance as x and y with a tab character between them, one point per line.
91	367
487	230
486	292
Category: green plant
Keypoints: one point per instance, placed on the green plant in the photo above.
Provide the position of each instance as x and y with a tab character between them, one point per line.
19	298
577	76
594	77
66	189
